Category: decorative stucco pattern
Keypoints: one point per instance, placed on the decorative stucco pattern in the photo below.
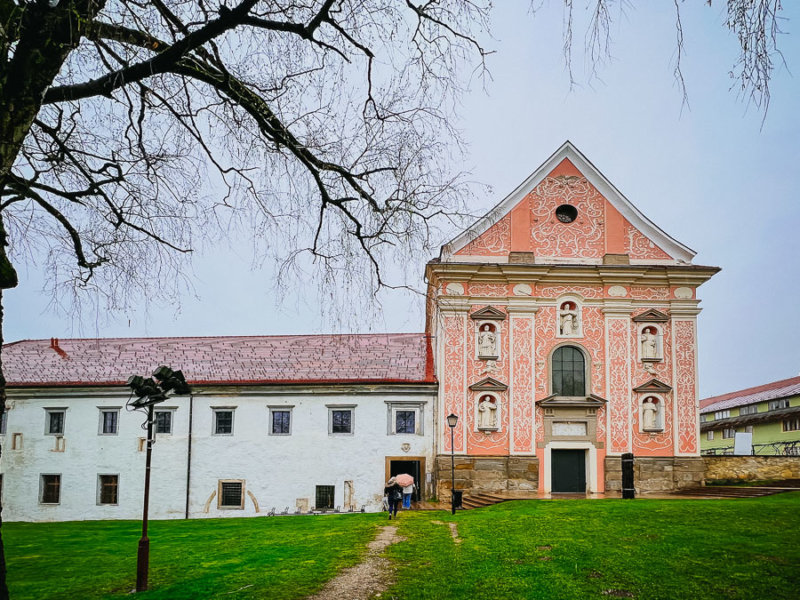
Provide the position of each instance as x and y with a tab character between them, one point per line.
554	291
686	385
618	391
639	246
453	376
649	293
584	237
495	241
522	390
661	443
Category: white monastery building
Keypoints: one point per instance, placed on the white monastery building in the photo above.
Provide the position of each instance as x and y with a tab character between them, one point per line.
561	330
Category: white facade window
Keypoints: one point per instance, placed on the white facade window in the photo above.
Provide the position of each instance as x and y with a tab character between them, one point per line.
778	404
165	418
54	421
109	421
341	419
404	418
280	420
223	420
722	414
50	488
108	489
230	494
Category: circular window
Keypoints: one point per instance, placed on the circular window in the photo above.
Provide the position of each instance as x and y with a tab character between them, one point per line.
566	213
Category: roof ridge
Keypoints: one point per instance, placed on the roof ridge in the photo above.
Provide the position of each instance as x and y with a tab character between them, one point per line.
209	337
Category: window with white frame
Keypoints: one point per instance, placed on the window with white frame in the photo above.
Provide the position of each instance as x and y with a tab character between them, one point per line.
50	488
280	420
709	435
748	429
722	414
230	493
223	420
108	489
791	424
404	418
728	433
778	404
703	418
109	421
748	410
165	418
54	421
341	419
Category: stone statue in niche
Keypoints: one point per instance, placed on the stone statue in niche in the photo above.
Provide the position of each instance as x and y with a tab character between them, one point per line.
649	341
650	414
487	342
568	319
487	413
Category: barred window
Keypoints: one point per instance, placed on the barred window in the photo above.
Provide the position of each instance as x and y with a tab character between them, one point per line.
231	494
54	422
342	421
223	422
324	496
50	492
163	421
108	485
280	422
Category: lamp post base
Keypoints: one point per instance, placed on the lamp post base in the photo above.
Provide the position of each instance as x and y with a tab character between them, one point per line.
142	564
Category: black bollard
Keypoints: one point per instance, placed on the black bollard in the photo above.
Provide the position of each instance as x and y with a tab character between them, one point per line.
628	490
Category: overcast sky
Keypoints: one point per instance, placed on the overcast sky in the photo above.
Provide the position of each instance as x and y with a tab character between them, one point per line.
708	174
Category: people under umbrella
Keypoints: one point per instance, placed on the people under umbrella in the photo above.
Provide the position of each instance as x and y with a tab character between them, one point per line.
399	488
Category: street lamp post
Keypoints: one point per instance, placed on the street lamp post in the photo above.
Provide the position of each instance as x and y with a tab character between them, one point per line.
452	420
148	394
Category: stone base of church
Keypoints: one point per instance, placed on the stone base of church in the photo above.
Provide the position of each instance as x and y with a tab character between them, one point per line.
656	474
486	474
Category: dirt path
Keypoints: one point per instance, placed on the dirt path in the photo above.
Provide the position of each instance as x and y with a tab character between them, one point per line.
374	574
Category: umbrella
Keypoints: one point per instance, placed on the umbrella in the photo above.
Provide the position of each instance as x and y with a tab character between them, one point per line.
404	480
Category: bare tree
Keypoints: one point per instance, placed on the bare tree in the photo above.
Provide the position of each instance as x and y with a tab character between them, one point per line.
756	24
325	123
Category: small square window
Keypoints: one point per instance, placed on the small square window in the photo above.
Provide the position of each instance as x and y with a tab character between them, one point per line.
163	421
325	495
223	421
231	494
109	421
405	421
54	421
280	421
340	419
50	489
107	489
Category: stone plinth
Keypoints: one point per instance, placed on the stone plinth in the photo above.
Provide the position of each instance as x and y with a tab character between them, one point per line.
746	468
656	474
476	474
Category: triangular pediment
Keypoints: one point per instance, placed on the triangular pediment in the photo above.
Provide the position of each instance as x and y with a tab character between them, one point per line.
654	386
488	313
651	316
554	400
604	222
488	384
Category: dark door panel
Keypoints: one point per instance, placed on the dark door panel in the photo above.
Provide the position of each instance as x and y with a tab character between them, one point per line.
569	471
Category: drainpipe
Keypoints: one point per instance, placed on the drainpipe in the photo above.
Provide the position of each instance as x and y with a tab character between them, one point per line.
189	456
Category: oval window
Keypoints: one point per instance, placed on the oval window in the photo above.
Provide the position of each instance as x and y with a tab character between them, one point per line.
566	213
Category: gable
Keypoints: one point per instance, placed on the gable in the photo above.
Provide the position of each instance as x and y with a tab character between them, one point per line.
599	221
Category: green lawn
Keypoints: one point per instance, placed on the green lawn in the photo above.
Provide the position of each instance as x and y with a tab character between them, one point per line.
670	549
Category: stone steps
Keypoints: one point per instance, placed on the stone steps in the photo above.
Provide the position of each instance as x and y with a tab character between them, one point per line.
481	500
718	491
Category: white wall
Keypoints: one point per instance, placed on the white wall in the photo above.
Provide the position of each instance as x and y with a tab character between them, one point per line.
277	469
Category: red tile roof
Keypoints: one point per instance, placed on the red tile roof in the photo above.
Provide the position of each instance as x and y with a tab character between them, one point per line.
287	359
769	391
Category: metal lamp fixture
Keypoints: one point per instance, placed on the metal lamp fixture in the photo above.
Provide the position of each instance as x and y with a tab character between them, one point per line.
149	393
452	421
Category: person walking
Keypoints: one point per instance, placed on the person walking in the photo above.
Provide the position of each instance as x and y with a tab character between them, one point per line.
408	491
394	495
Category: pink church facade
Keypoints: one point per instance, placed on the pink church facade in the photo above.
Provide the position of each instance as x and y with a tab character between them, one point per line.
566	336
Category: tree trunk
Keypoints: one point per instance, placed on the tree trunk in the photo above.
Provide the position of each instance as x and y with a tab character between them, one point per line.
3	586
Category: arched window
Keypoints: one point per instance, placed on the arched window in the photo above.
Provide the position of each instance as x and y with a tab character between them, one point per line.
569	372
